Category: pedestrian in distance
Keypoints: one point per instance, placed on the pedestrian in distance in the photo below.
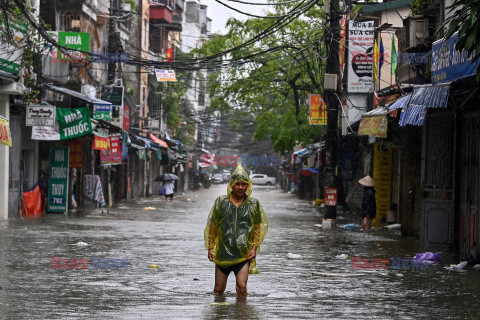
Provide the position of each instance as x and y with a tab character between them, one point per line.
236	227
168	186
369	207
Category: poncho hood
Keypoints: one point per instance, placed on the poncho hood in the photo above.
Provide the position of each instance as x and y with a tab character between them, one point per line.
240	174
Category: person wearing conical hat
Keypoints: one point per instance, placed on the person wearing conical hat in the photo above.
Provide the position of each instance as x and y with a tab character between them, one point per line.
236	227
369	207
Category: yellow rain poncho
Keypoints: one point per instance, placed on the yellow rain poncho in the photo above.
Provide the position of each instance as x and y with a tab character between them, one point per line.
232	231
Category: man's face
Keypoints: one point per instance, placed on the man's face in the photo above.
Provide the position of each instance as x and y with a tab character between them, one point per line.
239	189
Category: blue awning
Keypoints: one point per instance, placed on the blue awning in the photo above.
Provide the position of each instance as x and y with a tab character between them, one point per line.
431	96
422	98
301	153
400	103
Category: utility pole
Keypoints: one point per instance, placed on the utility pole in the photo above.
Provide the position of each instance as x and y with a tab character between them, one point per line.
333	104
111	42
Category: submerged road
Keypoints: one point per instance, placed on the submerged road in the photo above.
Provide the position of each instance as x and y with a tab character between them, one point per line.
116	249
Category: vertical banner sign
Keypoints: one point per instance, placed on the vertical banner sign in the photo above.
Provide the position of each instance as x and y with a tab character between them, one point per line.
114	95
126	117
58	183
74	122
360	56
11	49
331	195
5	137
318	110
341	51
382	175
114	154
76	154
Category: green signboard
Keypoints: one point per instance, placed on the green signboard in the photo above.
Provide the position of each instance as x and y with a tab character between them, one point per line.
58	183
11	49
78	42
74	122
114	95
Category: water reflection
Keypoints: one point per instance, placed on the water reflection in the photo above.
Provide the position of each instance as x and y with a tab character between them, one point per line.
231	308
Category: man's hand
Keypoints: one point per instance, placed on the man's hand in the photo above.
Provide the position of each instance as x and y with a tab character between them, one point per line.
252	253
210	254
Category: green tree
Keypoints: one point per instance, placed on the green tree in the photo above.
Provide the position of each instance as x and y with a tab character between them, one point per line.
464	18
271	79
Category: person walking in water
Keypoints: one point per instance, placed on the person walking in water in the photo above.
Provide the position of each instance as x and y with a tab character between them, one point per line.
236	227
168	186
369	207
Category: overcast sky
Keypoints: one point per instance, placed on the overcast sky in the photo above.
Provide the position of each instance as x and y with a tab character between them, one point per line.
220	14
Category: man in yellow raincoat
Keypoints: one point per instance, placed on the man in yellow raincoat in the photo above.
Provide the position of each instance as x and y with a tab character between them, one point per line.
235	229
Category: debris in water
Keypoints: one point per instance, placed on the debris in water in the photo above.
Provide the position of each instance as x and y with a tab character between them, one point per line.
196	279
477	266
342	256
393	226
80	244
149	208
457	267
153	266
318	225
349	226
219	304
293	256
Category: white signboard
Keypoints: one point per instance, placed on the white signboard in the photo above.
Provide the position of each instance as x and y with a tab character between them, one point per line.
45	133
38	115
165	75
360	56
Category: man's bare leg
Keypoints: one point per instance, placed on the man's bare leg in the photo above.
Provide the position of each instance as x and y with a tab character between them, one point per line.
220	281
241	279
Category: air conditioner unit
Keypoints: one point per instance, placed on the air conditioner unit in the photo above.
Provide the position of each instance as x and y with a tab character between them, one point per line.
417	32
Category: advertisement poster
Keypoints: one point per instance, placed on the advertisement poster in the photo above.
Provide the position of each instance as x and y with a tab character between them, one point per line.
373	126
5	137
58	183
331	195
76	154
382	175
74	122
101	141
45	133
126	117
360	56
318	110
165	75
114	154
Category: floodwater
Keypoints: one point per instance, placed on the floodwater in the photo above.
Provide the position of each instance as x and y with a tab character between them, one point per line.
319	285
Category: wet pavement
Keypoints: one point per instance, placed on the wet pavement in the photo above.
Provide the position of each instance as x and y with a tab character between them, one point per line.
319	285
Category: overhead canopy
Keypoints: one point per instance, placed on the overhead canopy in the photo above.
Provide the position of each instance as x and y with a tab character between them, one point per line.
159	141
424	97
400	103
77	95
142	142
374	123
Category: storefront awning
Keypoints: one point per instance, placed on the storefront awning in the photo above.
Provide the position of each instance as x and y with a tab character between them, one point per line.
424	97
77	95
400	103
301	153
157	140
144	142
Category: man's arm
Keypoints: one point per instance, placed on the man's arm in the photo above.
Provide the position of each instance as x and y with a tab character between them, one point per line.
212	235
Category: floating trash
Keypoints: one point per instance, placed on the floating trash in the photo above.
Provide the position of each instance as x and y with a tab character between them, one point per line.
342	256
149	208
349	226
457	267
293	256
80	244
318	225
153	266
219	304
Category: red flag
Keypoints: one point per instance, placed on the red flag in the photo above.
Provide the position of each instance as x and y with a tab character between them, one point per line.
169	53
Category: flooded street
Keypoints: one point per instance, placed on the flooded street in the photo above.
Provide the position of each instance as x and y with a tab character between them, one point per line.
318	285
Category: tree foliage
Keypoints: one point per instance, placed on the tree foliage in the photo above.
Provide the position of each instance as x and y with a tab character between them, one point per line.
272	79
463	17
